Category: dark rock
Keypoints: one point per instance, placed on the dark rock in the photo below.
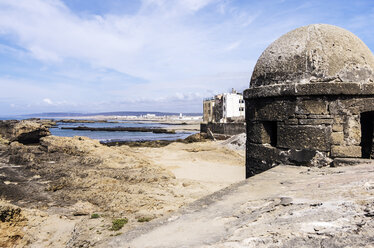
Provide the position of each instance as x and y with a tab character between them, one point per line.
25	132
302	157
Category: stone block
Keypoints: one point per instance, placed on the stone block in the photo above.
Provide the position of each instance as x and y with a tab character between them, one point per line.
264	152
338	119
315	121
310	88
291	122
274	110
358	105
353	106
256	133
337	138
346	151
304	137
367	89
250	109
320	116
317	107
352	130
330	88
299	116
337	128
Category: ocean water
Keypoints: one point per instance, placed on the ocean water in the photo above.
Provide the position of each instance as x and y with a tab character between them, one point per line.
105	136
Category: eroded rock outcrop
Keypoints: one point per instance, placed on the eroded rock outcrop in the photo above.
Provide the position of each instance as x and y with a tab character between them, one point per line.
25	131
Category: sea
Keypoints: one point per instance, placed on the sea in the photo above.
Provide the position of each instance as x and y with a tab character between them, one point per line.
109	136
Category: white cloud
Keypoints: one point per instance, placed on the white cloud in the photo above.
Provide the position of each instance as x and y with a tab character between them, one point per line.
174	51
150	44
47	101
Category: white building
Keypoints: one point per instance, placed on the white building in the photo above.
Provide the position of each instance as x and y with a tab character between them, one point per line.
224	107
233	105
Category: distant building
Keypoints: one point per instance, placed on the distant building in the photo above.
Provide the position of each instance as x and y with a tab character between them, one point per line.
233	105
208	107
222	108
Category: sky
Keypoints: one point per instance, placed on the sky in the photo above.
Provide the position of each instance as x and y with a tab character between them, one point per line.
146	55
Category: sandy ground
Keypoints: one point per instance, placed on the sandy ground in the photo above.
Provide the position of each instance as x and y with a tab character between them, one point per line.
55	187
208	163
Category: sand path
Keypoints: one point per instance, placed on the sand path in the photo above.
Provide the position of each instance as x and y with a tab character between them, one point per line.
209	163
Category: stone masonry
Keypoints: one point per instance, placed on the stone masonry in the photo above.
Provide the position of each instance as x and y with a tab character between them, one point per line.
311	100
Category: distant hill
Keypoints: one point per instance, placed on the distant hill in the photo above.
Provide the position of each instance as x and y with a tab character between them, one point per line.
119	113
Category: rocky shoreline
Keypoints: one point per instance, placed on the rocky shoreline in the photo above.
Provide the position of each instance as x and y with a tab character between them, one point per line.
44	179
122	129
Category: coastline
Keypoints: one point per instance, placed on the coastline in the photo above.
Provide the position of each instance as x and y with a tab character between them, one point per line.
62	181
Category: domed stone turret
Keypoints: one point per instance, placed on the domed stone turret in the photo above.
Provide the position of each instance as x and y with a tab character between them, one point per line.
311	100
315	53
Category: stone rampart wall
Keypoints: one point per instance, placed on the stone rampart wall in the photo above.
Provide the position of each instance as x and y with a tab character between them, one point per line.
310	130
224	128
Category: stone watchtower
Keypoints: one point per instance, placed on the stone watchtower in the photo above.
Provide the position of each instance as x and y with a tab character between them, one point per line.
310	100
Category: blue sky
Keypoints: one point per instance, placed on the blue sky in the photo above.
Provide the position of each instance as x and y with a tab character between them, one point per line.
147	55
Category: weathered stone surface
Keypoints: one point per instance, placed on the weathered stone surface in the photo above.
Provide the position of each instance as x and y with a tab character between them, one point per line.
274	110
302	157
352	130
328	211
316	121
301	56
316	107
304	137
350	161
346	151
262	157
219	128
335	88
271	90
352	106
265	152
337	127
291	122
24	131
338	119
320	116
308	89
255	166
337	138
256	133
